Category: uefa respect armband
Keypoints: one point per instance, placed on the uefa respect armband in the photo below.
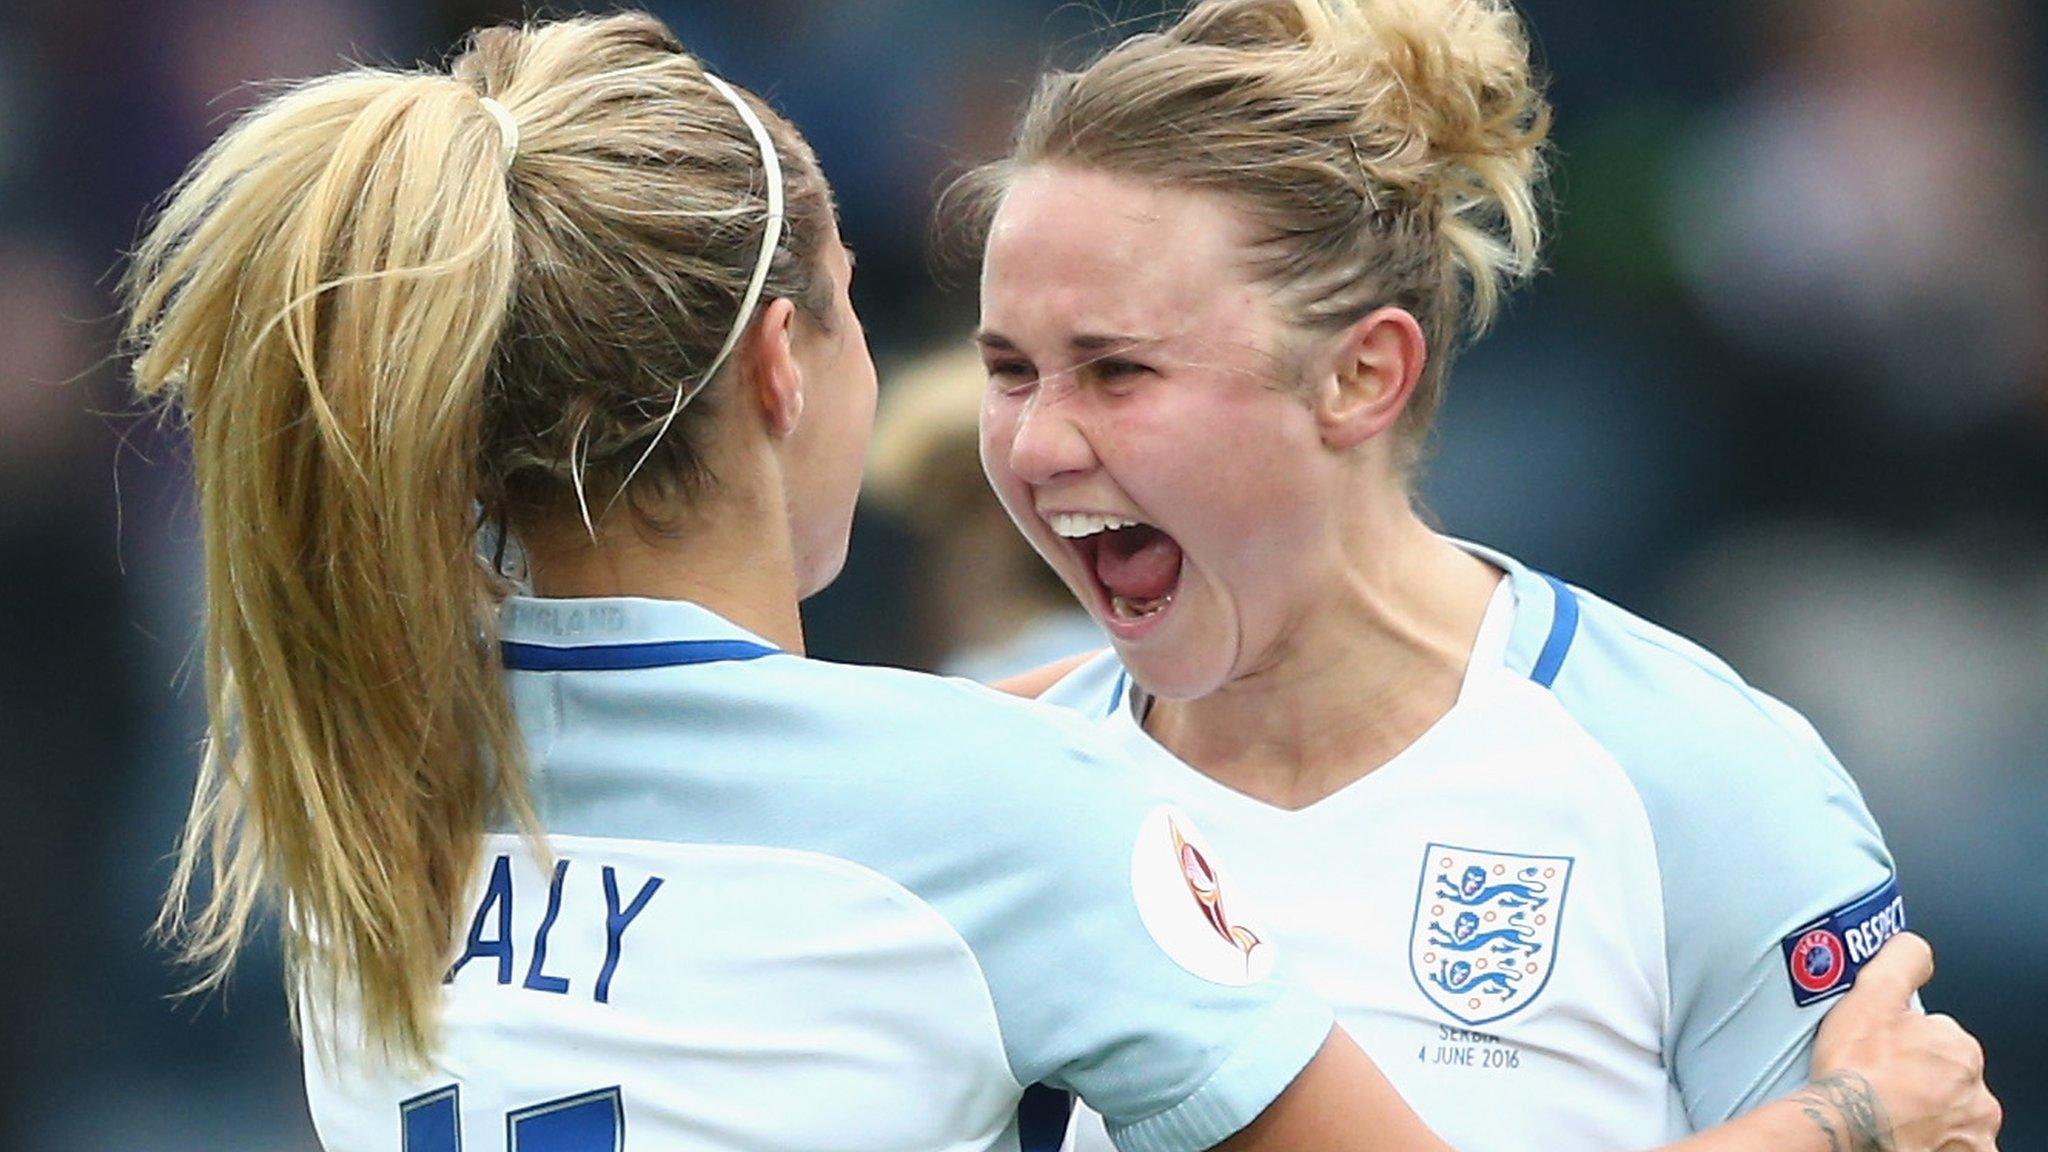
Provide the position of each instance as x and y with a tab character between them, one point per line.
1823	957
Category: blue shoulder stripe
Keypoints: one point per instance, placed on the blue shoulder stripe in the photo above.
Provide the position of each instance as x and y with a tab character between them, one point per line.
628	657
1564	625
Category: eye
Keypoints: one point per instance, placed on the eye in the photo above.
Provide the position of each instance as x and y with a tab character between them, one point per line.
1116	371
1011	375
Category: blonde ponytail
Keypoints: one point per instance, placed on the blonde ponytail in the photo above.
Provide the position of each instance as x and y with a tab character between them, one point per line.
378	319
323	296
1389	151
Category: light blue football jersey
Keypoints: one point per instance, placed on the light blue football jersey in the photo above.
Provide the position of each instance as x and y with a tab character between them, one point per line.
1602	903
798	905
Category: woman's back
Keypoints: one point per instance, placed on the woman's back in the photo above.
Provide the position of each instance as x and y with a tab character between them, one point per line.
801	905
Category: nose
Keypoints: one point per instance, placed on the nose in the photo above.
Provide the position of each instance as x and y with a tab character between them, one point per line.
1047	442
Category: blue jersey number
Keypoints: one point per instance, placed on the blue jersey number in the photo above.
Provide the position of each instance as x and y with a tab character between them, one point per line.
589	1122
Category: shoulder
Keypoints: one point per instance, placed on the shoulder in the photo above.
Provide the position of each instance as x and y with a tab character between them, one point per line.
1677	717
1756	826
819	754
954	754
943	717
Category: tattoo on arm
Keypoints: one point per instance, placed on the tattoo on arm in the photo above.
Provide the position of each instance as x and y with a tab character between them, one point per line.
1844	1107
1818	1113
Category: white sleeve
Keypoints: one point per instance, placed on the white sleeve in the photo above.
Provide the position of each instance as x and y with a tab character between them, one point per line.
1777	885
1122	967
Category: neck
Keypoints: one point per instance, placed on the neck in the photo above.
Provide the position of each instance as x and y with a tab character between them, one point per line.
1379	658
733	555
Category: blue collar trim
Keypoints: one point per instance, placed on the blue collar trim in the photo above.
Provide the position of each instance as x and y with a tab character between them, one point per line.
628	657
1120	692
1564	626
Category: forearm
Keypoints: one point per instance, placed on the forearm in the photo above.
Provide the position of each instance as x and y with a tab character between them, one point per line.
1838	1113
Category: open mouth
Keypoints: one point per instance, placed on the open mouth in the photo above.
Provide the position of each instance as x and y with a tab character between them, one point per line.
1135	565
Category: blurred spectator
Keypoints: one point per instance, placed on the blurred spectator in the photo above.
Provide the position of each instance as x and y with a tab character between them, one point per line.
222	55
101	104
1573	439
49	344
987	605
1864	226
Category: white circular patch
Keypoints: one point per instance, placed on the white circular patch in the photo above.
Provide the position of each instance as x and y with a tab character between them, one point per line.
1190	908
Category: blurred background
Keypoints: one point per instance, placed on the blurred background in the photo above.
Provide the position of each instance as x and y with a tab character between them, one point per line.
1784	388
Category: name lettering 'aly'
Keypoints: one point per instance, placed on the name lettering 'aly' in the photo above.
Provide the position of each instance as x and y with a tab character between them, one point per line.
490	930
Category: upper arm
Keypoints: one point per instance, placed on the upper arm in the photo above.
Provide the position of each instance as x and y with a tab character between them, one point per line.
1760	836
1746	997
1033	684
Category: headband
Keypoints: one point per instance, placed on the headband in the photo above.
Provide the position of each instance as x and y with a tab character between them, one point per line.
772	168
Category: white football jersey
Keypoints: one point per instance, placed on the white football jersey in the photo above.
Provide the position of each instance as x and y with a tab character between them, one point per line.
795	905
1600	904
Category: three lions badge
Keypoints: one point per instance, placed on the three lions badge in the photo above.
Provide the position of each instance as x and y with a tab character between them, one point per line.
1484	938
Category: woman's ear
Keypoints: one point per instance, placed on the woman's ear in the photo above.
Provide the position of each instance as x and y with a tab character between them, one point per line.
1378	361
777	378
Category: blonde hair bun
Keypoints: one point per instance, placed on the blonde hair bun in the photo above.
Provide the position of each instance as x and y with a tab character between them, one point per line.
1449	117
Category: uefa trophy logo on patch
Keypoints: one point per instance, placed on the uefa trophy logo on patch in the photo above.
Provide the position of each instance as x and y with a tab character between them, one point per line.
1484	938
1190	907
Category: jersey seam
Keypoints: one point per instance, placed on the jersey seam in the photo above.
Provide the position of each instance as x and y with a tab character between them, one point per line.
1665	997
557	724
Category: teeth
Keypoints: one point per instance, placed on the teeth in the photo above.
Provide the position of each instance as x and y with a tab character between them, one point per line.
1126	609
1074	525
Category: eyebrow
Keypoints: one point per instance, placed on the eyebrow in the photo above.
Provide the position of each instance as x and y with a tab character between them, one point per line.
1087	342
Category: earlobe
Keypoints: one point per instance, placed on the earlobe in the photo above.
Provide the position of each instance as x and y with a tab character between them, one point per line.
1379	360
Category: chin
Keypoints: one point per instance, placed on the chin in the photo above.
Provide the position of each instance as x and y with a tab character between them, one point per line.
1168	675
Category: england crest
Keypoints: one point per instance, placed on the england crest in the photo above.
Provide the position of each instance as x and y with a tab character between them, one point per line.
1484	939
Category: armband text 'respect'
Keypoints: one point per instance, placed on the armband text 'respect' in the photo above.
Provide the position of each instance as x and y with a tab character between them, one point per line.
1823	957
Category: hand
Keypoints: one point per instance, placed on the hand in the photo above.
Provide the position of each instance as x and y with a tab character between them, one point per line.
1889	1078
